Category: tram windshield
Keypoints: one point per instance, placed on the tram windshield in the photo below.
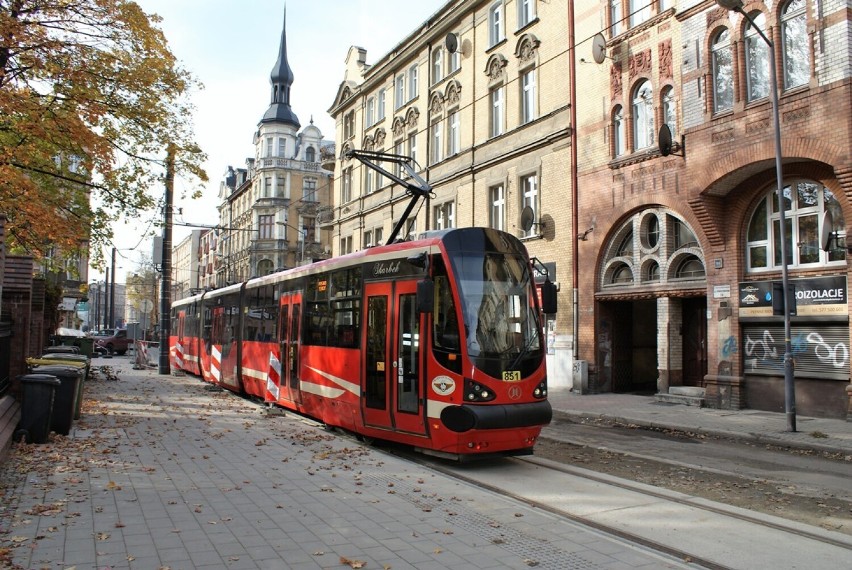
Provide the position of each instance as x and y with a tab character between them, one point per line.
500	320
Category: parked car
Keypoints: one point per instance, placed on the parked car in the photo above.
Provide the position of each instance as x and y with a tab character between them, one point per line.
117	343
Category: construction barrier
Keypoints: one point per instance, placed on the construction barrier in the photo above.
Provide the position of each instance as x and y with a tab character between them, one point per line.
147	354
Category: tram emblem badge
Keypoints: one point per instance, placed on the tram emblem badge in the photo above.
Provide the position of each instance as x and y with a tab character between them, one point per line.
444	385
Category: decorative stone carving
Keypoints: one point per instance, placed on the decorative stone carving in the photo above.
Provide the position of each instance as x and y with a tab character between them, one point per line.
666	69
379	137
639	62
452	94
437	104
494	68
527	47
615	80
398	127
411	117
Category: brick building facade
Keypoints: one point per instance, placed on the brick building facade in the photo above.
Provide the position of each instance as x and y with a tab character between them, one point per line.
675	247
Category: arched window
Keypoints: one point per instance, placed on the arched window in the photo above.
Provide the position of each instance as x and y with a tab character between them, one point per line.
690	268
310	154
264	267
757	59
653	247
643	116
670	110
618	136
794	35
805	203
723	72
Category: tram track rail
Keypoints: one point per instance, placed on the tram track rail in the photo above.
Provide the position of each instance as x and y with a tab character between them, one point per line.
541	469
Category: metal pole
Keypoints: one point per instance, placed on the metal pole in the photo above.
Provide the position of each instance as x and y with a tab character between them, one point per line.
112	295
166	285
789	380
106	299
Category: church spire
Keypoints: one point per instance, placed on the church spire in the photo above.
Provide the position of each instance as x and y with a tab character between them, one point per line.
281	79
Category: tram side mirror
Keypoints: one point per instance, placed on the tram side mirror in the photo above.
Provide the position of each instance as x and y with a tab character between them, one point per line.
425	296
548	297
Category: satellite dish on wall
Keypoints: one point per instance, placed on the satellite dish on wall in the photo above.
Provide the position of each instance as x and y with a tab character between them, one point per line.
451	42
599	48
666	145
827	232
527	218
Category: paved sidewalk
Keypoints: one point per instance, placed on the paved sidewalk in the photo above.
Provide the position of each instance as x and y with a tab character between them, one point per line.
160	472
768	427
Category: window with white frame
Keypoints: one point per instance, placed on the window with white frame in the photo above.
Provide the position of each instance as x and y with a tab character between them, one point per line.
526	12
528	96
444	215
529	198
346	186
794	37
267	186
497	201
411	229
436	140
399	91
269	142
453	133
437	64
805	202
282	147
370	111
495	23
498	111
412	147
757	59
266	227
369	180
310	154
723	72
455	61
378	236
397	150
280	186
345	245
619	137
670	109
412	82
368	239
349	125
640	11
309	229
666	4
615	16
643	116
380	106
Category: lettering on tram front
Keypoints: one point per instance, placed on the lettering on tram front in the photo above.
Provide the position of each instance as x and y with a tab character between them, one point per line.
511	376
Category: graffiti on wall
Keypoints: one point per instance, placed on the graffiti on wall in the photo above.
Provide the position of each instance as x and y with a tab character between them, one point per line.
818	350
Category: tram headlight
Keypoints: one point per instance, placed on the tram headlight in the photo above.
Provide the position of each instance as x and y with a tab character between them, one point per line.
541	390
476	392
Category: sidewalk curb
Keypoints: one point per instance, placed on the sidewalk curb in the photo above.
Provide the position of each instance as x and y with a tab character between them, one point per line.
751	437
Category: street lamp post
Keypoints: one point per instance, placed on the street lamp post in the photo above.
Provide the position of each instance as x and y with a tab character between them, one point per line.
789	385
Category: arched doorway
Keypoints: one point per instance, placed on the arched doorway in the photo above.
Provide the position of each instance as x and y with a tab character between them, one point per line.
651	306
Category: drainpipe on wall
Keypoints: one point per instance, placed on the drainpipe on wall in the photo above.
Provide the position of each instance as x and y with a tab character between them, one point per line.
572	79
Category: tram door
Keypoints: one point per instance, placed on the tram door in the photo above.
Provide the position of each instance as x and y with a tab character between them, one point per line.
216	342
289	322
392	389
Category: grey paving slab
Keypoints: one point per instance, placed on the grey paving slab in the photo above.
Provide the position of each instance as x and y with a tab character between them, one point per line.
182	477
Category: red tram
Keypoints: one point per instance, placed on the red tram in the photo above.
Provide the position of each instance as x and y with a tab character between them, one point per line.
435	343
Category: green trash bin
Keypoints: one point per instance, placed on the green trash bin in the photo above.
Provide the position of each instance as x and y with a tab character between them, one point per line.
37	394
67	394
85	344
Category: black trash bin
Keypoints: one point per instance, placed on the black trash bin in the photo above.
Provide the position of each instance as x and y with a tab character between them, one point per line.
65	359
62	350
65	400
37	395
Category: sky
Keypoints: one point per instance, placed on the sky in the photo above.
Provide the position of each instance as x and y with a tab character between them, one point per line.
231	47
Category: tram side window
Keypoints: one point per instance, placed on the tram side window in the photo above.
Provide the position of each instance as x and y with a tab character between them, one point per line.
445	324
208	323
333	309
261	319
